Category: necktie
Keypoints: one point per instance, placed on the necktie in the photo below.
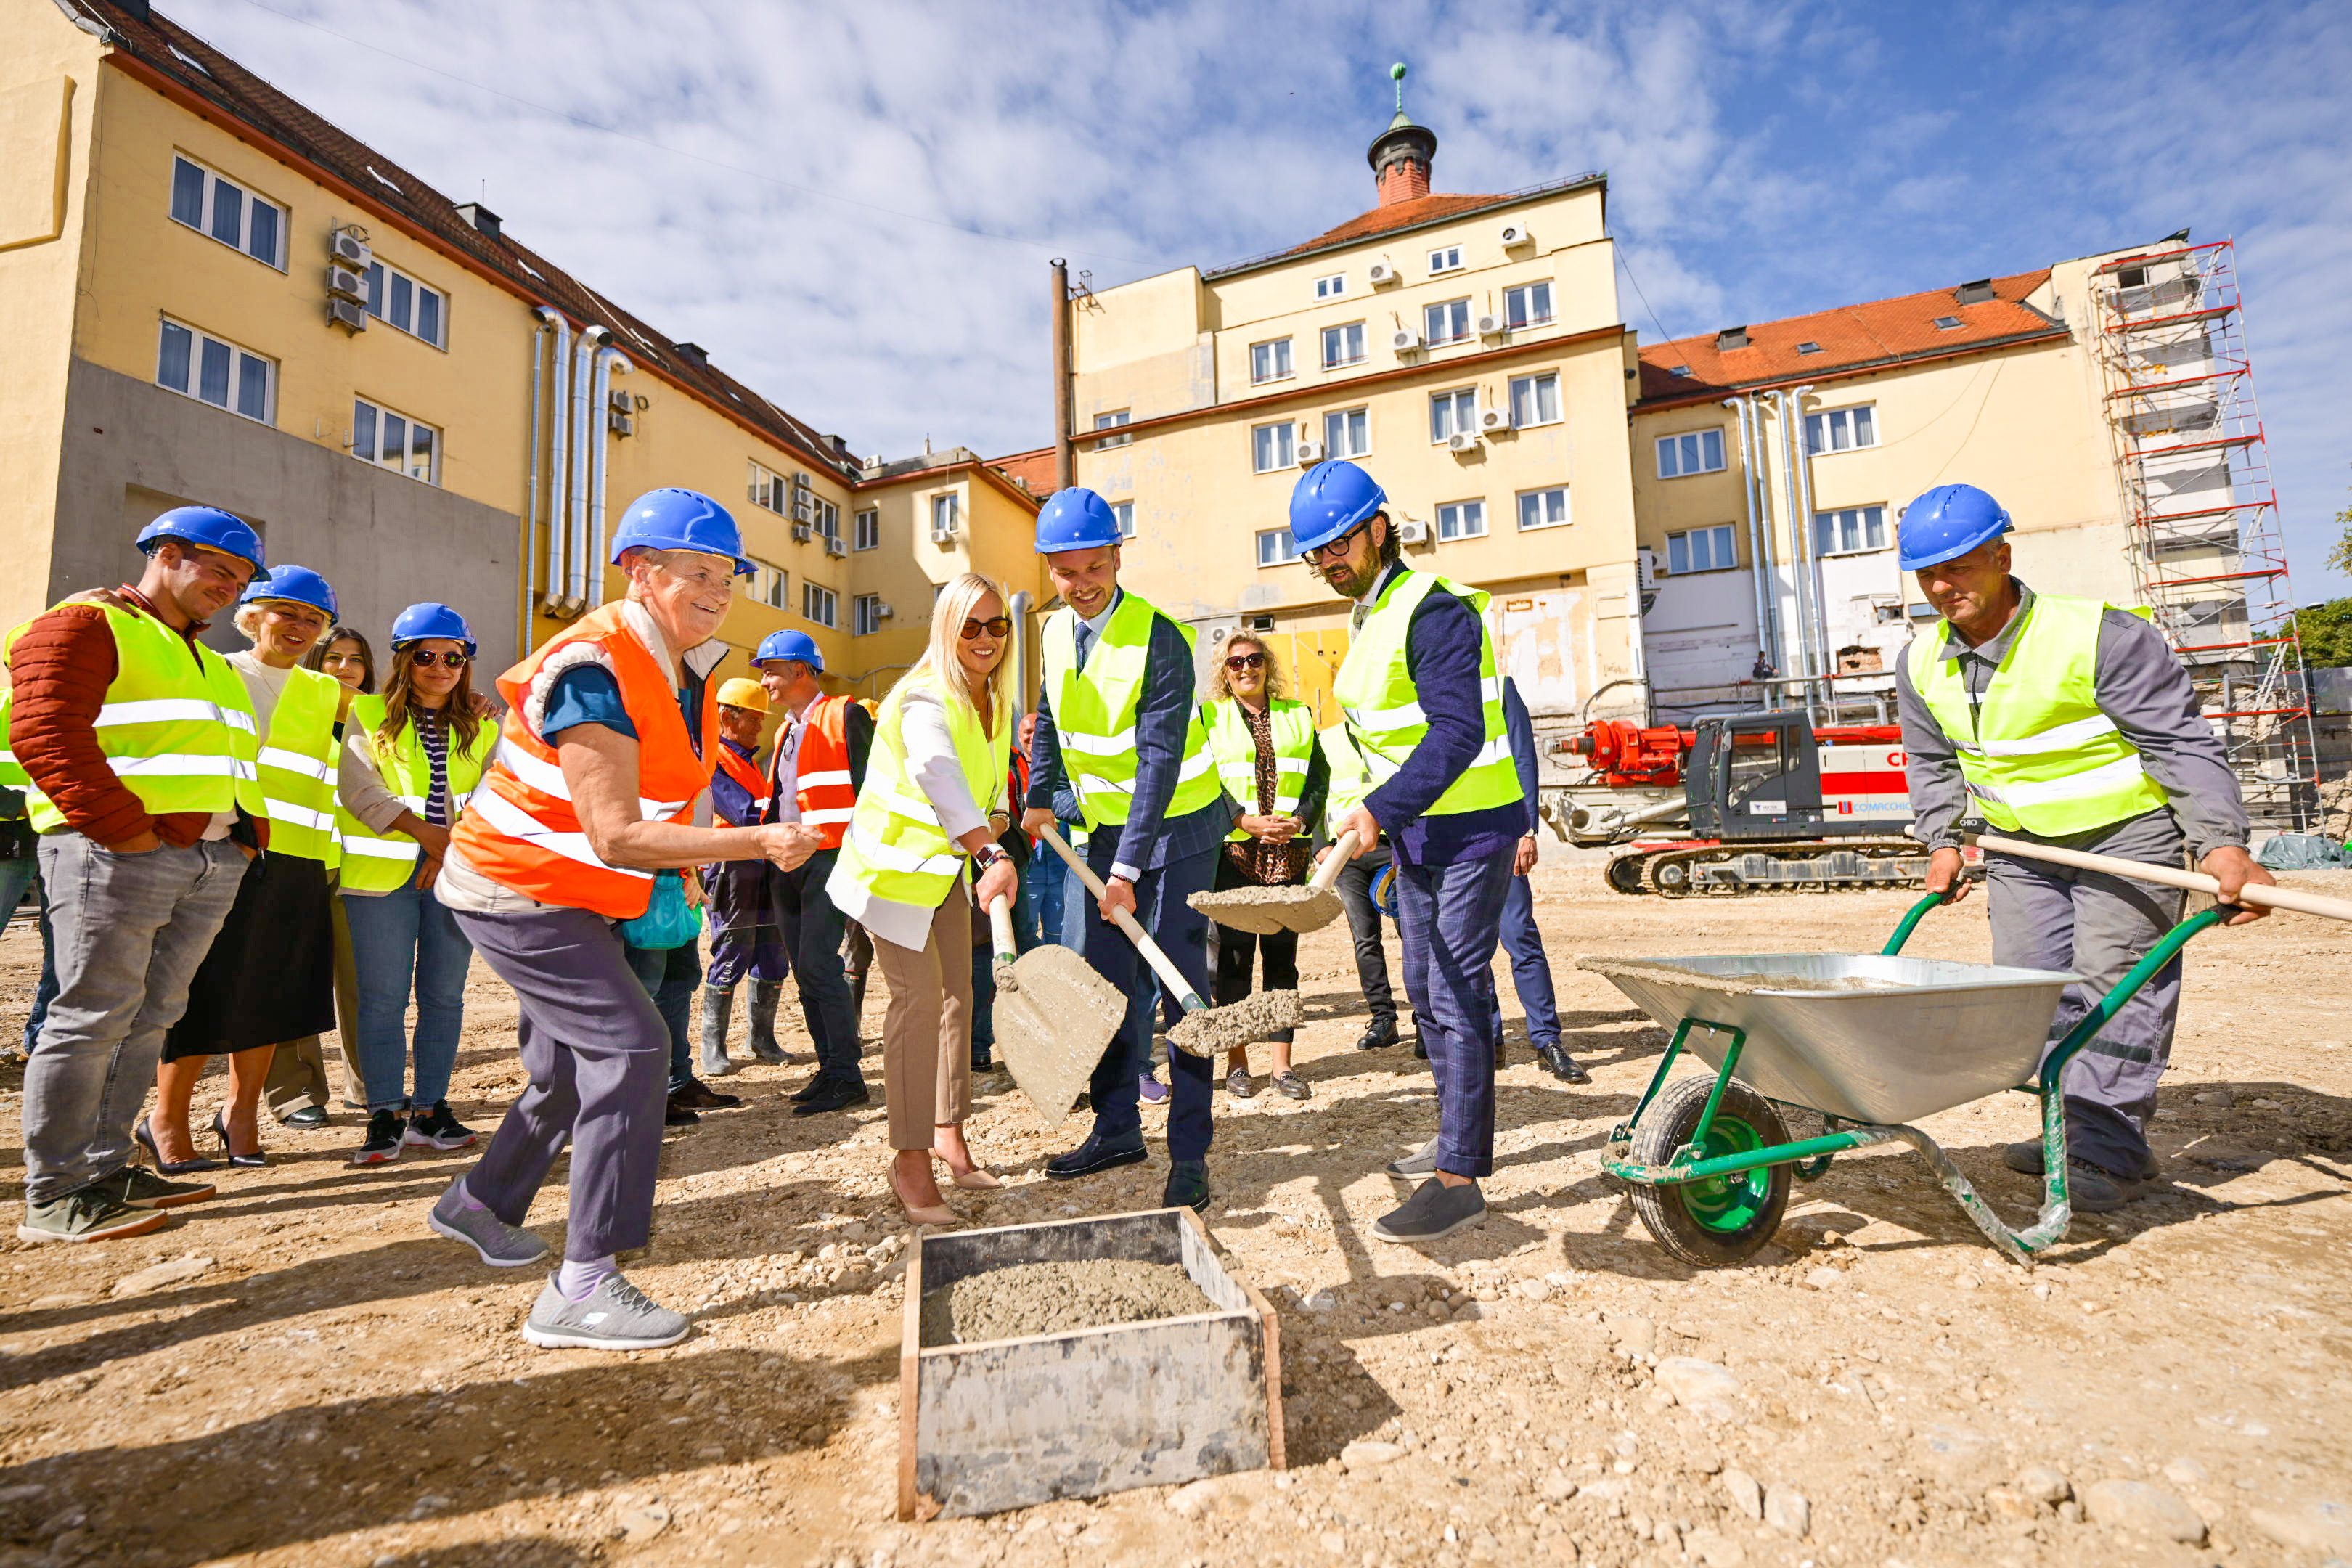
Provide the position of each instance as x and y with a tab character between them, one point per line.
1086	643
1355	619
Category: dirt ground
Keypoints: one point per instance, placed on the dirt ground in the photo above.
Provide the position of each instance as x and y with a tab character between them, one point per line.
326	1382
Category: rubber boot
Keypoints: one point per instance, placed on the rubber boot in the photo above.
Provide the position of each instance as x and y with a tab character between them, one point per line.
717	1009
765	996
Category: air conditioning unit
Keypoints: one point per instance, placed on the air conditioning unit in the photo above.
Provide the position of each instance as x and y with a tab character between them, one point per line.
882	612
619	423
1490	326
345	281
1411	532
1491	420
834	547
1380	272
1646	570
1310	453
944	535
803	532
1515	234
348	313
1461	441
1404	341
349	250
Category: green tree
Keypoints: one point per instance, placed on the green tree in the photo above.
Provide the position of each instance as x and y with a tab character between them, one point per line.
2326	633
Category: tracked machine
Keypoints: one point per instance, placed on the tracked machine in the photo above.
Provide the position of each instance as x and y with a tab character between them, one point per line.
1742	803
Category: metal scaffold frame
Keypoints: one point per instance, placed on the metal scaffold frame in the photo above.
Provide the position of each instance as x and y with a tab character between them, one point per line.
2207	554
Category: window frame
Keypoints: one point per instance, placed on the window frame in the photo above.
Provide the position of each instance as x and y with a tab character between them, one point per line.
952	503
772	586
1523	291
1847	416
237	356
1459	508
1290	444
865	614
1536	381
1267	536
1446	259
766	482
1361	417
1730	540
1866	520
207	208
813	595
1452	396
1279	349
1331	287
865	529
1125	512
381	282
1117	419
378	414
1709	439
1520	508
1461	309
1342	330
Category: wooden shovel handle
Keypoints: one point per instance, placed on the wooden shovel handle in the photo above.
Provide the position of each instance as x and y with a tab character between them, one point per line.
1343	849
1161	964
2294	899
1000	926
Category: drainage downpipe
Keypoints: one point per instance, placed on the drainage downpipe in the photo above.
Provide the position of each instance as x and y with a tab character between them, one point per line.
575	524
1757	580
531	505
610	362
558	446
1775	625
1821	627
1797	555
1021	602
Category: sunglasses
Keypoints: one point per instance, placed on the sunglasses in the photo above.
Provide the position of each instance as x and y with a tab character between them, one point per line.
995	626
1245	661
1335	550
427	658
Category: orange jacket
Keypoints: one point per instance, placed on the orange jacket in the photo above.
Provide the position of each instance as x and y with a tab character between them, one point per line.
822	787
519	829
754	783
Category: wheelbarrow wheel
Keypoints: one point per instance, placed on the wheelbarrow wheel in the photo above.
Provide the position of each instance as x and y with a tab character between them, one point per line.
1718	1221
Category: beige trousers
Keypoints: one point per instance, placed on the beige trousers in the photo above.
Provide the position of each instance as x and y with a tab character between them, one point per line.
926	1033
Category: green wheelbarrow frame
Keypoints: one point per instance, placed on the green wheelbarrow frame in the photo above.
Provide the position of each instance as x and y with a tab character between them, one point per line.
1811	1157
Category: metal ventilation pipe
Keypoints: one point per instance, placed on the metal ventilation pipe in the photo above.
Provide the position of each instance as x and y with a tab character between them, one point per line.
576	518
1759	564
1020	608
610	361
557	424
530	502
1804	476
1802	605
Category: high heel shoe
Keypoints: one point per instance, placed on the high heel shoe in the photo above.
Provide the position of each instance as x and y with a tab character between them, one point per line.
169	1167
933	1214
973	1181
253	1161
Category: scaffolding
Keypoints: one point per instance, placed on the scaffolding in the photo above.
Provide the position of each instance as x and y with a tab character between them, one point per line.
2205	550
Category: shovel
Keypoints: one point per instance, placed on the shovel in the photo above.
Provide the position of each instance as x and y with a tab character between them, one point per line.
1054	1017
1265	911
1205	1030
2294	899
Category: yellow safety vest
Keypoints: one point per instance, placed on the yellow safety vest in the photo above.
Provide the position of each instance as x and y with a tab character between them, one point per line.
2035	749
1375	689
1350	780
1292	725
178	733
297	768
381	862
894	847
1094	709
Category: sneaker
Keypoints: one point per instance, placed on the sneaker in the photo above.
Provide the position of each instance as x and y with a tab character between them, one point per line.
1149	1089
436	1129
385	1132
88	1215
1435	1210
1379	1034
1421	1162
617	1316
142	1188
839	1094
500	1245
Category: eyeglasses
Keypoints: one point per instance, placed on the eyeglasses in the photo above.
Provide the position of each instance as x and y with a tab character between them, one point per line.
1333	551
995	626
1245	661
426	658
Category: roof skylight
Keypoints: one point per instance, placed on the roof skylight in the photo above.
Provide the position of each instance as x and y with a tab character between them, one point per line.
1947	324
1809	348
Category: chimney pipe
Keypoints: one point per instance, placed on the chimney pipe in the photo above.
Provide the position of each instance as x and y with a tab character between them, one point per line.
1065	457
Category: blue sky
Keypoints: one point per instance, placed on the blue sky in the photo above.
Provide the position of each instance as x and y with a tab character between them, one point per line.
853	206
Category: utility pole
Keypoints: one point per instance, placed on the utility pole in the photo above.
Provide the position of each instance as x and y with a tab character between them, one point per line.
1066	461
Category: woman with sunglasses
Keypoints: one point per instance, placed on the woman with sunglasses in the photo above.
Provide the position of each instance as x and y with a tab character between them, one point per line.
1275	779
410	759
934	801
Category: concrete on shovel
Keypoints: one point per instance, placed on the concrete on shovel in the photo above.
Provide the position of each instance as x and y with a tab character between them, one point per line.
1054	1017
1265	911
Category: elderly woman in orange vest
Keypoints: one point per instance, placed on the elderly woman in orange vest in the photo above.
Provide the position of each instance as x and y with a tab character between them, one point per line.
568	853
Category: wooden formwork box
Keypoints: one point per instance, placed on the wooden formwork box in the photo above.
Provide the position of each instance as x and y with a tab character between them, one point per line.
1008	1424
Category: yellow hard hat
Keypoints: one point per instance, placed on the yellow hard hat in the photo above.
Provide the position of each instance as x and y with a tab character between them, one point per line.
741	693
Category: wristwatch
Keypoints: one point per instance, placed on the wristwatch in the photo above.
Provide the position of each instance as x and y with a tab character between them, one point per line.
988	855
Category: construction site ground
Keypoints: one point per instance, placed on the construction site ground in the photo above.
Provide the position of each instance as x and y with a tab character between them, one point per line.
299	1374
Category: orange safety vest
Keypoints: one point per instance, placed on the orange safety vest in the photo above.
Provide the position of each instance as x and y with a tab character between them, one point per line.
821	783
754	782
519	828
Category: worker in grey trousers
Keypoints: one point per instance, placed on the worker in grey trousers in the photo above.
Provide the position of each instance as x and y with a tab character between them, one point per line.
2071	722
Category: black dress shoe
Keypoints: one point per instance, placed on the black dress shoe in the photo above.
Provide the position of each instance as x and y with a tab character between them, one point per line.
1420	1047
819	1081
1095	1154
1379	1033
1561	1065
838	1094
676	1115
1188	1186
309	1118
697	1095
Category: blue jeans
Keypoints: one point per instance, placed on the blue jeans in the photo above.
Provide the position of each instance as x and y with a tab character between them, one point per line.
669	975
406	939
1530	970
1450	919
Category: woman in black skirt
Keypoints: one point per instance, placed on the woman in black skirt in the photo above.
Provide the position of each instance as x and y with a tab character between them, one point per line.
270	974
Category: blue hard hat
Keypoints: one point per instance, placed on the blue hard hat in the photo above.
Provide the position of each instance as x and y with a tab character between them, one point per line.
210	527
430	619
298	584
1331	500
1946	523
1075	519
1382	889
672	519
789	645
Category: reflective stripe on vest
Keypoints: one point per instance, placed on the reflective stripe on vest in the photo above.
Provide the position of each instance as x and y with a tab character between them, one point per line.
821	786
895	847
1291	726
1094	713
523	833
297	767
1375	689
2035	749
381	862
1350	780
178	731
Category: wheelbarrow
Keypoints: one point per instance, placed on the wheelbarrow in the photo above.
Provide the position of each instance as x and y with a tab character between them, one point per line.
1870	1043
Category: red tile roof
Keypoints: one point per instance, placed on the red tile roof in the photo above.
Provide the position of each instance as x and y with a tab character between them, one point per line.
1412	214
193	66
1852	338
1034	471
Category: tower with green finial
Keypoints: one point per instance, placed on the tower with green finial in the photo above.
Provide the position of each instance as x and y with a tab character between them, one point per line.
1400	155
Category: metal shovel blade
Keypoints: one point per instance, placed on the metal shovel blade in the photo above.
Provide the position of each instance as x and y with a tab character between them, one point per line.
1265	911
1054	1017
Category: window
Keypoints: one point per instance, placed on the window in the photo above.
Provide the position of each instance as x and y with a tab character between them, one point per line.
1447	261
1853	530
1947	324
947	516
229	212
1809	348
1270	445
1125	512
1535	400
1452	413
393	441
1461	520
1700	550
867	530
1446	323
865	615
771	491
1543	509
1347	433
817	604
1841	429
415	309
1275	548
1529	305
1694	452
1331	287
828	518
1111	422
213	370
1270	361
1343	345
769	584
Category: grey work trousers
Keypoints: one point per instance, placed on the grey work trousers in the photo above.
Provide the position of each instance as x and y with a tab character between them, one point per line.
598	1054
2098	925
128	932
